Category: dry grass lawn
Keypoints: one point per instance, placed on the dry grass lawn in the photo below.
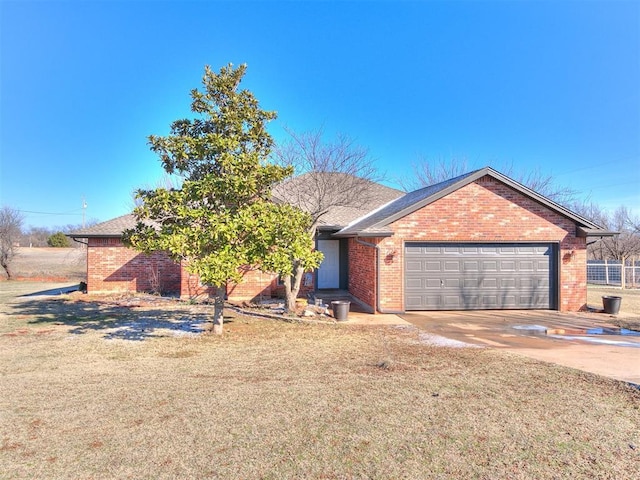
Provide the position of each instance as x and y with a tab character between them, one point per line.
50	263
629	316
114	390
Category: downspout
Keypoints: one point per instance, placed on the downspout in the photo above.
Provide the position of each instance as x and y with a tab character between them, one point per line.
79	241
378	307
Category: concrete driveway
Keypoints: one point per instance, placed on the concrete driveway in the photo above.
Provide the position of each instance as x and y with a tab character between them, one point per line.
585	341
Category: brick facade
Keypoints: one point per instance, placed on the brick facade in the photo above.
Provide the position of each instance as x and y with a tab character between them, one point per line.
255	284
483	211
112	267
362	271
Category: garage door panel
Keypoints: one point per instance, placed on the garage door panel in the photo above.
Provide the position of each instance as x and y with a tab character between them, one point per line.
543	265
471	266
451	301
526	266
489	283
415	283
432	283
450	266
508	266
433	266
478	276
451	283
414	266
472	282
489	265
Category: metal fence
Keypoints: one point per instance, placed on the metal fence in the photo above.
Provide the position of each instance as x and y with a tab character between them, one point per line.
603	272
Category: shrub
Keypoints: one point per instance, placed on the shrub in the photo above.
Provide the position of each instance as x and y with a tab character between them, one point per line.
58	239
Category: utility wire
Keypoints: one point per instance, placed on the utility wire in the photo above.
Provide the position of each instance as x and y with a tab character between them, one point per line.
51	213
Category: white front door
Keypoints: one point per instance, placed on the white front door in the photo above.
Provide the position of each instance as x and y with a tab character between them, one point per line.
329	270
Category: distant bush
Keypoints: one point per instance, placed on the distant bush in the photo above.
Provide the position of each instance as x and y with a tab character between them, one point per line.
58	239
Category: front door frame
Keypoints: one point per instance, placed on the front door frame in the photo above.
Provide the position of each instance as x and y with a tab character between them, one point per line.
332	260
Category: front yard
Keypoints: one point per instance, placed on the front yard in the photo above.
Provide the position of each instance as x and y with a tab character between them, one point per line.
629	315
279	400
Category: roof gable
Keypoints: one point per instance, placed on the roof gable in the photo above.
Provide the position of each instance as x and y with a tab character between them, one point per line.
376	223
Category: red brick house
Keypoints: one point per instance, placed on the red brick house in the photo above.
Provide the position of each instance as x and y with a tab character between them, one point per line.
478	241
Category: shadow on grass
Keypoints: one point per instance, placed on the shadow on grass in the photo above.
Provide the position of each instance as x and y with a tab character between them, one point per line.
54	291
122	322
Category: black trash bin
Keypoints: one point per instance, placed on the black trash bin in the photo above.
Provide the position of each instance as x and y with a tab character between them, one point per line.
611	304
340	310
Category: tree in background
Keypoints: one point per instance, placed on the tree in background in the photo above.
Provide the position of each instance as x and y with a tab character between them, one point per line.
39	236
221	218
620	247
10	231
327	174
36	236
59	240
428	173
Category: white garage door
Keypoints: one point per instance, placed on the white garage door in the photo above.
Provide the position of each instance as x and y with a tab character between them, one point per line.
471	276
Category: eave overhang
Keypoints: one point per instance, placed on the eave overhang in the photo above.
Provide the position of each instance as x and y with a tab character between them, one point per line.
583	232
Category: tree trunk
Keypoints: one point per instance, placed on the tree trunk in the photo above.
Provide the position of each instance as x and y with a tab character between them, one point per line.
7	268
292	287
218	310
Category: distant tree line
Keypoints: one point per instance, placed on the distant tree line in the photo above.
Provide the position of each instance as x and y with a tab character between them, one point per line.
624	246
50	236
13	236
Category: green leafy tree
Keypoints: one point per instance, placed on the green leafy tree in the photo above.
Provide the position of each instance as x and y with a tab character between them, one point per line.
221	218
58	239
285	247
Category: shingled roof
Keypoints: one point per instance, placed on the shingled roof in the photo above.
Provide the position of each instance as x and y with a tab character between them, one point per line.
110	228
302	191
376	223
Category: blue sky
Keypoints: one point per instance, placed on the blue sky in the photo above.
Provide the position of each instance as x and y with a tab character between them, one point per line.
553	86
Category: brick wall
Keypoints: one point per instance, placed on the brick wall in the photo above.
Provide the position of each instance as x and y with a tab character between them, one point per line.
483	211
255	285
113	267
362	271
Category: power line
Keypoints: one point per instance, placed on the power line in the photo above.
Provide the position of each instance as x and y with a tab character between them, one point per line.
52	213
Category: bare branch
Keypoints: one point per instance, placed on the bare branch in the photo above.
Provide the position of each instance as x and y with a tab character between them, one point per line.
427	172
327	174
10	232
618	247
